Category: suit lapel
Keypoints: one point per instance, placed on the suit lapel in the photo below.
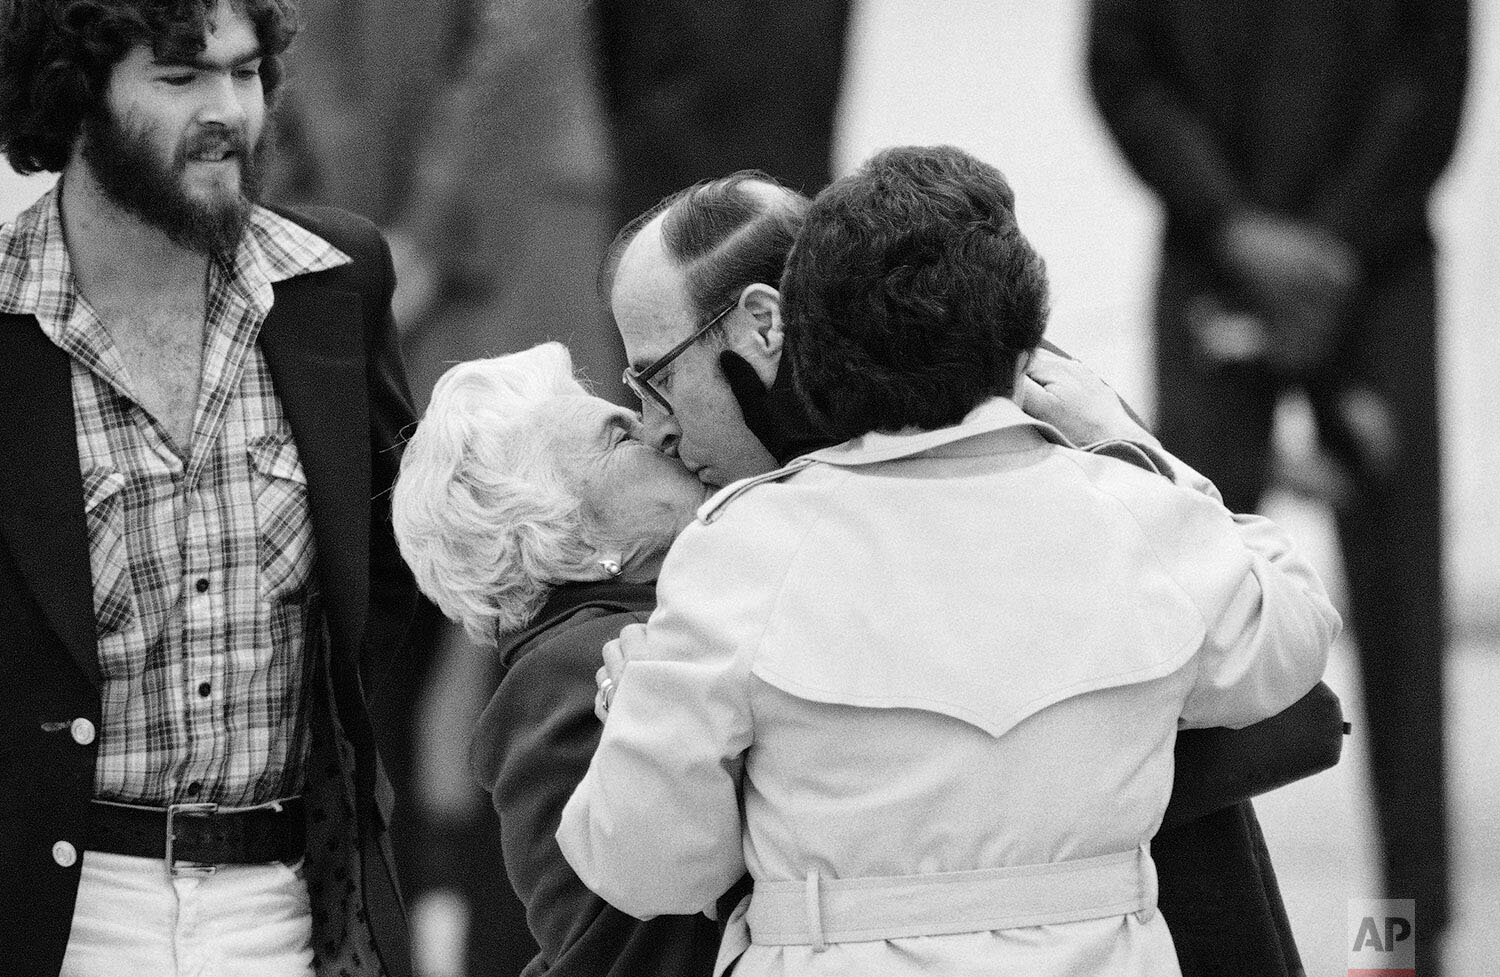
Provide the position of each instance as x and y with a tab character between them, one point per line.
312	344
41	488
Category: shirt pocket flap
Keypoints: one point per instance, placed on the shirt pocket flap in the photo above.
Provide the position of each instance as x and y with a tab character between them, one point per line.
100	486
277	458
109	558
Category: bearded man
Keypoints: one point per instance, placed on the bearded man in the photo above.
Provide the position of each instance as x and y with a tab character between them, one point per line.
200	400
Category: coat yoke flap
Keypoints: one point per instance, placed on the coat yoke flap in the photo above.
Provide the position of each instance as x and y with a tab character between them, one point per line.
987	598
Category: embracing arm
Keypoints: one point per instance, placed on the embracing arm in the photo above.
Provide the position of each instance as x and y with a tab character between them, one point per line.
1216	767
1266	614
1269	623
1219	767
531	747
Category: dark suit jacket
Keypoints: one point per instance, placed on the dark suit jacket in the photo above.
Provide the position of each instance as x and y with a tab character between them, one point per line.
328	342
697	90
1342	114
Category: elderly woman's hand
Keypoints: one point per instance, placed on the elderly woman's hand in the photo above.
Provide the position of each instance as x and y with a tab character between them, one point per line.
610	673
1072	398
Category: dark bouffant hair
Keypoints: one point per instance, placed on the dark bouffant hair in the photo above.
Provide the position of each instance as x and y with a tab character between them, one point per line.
56	57
725	233
910	293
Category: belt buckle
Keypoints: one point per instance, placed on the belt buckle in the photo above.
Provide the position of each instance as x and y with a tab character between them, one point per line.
194	809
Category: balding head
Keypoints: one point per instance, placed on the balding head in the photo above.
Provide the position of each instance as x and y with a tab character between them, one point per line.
717	246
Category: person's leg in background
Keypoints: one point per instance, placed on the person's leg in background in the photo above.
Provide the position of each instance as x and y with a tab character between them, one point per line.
393	708
1218	417
466	919
1388	435
1218	889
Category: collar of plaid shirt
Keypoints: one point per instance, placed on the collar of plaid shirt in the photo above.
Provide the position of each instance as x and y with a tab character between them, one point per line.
36	277
205	604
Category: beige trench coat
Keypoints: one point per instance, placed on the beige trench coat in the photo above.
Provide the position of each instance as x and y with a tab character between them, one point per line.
938	652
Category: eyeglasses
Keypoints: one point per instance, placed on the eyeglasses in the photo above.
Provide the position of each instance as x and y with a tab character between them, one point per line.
640	380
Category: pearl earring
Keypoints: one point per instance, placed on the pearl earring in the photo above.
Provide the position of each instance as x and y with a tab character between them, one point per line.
611	567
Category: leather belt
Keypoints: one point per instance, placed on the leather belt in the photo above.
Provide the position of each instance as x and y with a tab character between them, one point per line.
201	834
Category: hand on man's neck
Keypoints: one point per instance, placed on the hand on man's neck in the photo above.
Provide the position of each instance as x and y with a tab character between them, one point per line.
117	257
773	414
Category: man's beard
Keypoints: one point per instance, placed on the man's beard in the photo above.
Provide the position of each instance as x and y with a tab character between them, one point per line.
127	167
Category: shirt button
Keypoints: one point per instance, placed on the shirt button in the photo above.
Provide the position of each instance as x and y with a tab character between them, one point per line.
64	854
202	585
83	731
195	788
204	689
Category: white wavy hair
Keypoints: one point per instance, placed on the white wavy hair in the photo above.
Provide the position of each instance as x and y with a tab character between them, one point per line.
480	509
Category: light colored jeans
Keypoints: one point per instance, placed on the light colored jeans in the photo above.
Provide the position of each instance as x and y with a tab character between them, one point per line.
133	920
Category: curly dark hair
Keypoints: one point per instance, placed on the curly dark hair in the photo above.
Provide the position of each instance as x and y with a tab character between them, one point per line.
910	293
725	233
56	57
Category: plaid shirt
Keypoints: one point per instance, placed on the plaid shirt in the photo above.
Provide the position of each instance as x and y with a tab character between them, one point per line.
206	609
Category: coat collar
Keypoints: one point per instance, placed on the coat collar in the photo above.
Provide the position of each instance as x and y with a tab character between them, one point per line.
36	270
1000	421
567	600
995	425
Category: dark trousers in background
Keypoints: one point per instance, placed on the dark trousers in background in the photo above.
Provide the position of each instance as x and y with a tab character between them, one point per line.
1220	420
433	853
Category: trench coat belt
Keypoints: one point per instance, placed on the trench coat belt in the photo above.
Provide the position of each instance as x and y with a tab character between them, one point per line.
817	911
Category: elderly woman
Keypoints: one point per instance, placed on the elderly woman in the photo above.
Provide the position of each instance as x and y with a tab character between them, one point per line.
528	509
925	685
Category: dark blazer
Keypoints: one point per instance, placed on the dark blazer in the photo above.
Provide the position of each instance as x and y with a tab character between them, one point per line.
329	345
532	746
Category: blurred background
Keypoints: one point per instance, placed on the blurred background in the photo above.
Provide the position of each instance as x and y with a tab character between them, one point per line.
502	143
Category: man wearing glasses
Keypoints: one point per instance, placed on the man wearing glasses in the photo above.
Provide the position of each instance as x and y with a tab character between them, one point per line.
720	246
691	285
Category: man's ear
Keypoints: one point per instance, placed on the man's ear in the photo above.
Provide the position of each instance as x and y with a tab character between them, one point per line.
761	344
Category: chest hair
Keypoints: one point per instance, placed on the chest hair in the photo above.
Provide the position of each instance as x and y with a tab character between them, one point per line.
162	348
